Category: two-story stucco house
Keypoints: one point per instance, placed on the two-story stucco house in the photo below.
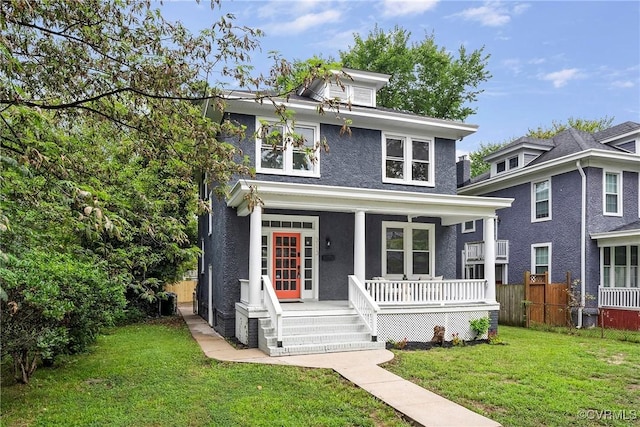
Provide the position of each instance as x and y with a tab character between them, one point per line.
576	209
351	247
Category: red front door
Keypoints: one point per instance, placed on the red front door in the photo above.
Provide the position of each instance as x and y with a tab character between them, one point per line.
286	265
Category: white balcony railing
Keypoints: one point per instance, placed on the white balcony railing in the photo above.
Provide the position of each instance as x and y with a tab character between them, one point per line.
474	251
441	292
626	298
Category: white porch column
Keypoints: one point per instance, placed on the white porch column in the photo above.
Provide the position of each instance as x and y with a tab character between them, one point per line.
490	258
255	256
359	257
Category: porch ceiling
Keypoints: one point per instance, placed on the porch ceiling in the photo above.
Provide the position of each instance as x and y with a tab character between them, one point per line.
452	209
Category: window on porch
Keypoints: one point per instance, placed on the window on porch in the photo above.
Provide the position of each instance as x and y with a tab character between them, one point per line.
620	266
407	249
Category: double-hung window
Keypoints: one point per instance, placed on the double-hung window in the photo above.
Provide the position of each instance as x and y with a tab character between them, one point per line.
541	200
612	194
286	149
408	249
541	258
408	160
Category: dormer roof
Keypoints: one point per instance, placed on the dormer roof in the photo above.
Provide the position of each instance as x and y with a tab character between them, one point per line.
360	87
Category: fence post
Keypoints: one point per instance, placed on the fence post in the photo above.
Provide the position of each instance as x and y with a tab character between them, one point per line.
527	304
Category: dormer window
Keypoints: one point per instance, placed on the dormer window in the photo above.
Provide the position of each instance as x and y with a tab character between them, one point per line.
357	95
501	166
513	163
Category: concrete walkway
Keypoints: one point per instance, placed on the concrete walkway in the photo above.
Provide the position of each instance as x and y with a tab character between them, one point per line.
421	406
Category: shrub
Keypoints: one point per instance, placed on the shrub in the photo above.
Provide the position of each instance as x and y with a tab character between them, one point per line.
55	303
480	326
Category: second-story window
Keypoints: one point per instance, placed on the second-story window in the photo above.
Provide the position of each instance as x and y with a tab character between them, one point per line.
408	160
612	193
287	149
541	200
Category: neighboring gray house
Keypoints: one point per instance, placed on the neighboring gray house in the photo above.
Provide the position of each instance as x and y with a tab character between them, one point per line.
576	209
352	249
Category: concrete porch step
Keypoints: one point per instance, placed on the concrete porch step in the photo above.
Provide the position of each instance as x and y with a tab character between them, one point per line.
307	333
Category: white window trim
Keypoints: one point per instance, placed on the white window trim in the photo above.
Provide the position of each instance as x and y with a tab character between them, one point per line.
612	267
507	166
533	256
533	201
201	256
210	213
604	192
408	250
408	158
469	230
288	151
349	89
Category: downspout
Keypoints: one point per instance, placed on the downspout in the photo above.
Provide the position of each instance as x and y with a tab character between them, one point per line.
583	238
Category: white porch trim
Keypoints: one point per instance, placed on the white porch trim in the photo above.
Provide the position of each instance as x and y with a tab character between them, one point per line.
451	208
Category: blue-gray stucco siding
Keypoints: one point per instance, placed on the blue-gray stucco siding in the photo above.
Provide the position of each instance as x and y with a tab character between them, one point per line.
563	230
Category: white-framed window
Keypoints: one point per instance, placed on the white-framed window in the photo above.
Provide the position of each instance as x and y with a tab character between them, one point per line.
202	256
620	266
358	95
514	162
408	160
210	213
408	249
541	200
469	226
541	258
510	163
287	149
612	193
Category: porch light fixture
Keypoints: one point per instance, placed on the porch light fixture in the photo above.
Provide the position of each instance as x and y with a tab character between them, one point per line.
328	242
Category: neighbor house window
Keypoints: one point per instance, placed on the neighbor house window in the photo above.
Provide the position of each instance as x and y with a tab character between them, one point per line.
612	193
408	160
513	163
541	198
202	256
541	258
501	166
468	226
408	249
620	266
287	149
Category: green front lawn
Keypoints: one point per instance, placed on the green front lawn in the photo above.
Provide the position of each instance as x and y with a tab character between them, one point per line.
537	379
156	375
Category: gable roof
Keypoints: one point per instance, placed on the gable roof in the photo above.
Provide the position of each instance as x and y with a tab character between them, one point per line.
522	142
571	141
616	131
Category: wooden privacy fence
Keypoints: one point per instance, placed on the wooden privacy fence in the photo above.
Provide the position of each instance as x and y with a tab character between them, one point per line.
546	302
511	299
536	301
183	290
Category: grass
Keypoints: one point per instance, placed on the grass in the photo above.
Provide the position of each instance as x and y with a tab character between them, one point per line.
538	379
154	374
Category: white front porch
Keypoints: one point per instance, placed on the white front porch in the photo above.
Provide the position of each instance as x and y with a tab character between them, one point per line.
619	298
386	309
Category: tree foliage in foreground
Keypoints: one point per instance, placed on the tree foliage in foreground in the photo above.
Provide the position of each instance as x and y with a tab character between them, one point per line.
425	78
102	144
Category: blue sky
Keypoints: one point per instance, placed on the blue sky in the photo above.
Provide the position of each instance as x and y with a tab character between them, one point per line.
549	60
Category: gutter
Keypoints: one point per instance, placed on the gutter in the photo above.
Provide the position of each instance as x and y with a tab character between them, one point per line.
583	238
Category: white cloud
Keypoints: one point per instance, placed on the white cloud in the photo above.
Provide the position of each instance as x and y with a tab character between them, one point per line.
303	23
623	84
537	61
404	7
514	65
492	13
562	77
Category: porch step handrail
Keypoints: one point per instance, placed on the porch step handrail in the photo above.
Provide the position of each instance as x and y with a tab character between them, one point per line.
619	297
364	305
444	291
273	308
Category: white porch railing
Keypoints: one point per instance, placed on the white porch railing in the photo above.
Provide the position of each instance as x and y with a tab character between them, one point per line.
364	305
441	292
619	298
273	307
475	250
244	291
